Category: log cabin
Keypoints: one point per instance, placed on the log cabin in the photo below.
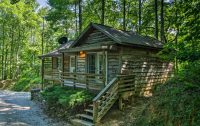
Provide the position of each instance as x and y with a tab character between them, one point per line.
52	63
115	64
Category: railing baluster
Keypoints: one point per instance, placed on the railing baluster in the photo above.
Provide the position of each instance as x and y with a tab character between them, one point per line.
74	79
86	77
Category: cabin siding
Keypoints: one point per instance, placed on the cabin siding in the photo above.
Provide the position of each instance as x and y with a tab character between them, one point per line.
149	70
113	59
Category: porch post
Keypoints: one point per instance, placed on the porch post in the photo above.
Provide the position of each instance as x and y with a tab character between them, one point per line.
63	68
104	68
52	65
42	73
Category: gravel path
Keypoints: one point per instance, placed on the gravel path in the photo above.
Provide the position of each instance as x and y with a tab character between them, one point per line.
16	109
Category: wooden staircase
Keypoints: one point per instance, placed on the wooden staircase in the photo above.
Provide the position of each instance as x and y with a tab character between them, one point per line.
104	100
85	119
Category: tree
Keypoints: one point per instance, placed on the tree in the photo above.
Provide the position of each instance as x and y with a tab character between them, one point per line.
103	11
140	16
80	16
156	18
124	14
162	21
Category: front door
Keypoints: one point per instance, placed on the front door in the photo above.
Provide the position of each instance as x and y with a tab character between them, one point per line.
91	63
72	64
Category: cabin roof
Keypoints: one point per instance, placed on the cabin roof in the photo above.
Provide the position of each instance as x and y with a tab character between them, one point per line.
56	53
121	37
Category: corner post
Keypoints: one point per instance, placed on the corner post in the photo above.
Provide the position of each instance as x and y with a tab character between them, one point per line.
104	68
86	77
95	111
63	68
42	73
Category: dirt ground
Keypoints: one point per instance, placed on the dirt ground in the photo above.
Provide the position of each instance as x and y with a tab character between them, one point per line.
127	117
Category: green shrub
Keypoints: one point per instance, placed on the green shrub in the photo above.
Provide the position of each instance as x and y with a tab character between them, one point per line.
27	80
66	97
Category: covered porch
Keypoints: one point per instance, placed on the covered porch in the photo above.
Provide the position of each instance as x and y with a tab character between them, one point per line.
87	67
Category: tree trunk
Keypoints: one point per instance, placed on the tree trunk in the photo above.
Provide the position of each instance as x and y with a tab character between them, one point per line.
76	23
176	39
156	18
11	52
80	16
124	15
2	57
140	16
6	64
103	11
162	22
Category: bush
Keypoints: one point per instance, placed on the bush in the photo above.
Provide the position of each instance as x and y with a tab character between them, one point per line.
63	102
27	80
66	97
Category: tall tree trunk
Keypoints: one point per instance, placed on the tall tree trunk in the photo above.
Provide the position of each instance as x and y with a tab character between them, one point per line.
162	21
176	39
17	52
103	11
124	14
11	52
76	23
156	18
140	16
2	57
80	16
6	63
128	13
43	36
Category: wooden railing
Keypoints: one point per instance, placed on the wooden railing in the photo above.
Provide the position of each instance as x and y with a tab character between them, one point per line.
52	75
126	83
108	96
83	80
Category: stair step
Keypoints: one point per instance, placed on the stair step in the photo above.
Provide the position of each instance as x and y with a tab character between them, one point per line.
89	110
85	116
79	122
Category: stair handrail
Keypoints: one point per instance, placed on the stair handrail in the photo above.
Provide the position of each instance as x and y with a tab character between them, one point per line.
107	87
112	83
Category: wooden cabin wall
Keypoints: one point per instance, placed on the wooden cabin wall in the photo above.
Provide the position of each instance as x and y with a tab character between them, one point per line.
149	70
113	64
47	64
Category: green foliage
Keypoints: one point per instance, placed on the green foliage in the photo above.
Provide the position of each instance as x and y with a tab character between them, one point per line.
66	97
177	101
26	81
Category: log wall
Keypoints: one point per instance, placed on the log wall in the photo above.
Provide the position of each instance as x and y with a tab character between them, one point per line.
149	69
113	59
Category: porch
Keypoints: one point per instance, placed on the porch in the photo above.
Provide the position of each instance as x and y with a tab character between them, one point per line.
87	81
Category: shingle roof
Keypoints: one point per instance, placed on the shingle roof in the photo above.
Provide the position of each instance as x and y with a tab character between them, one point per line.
124	37
56	52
